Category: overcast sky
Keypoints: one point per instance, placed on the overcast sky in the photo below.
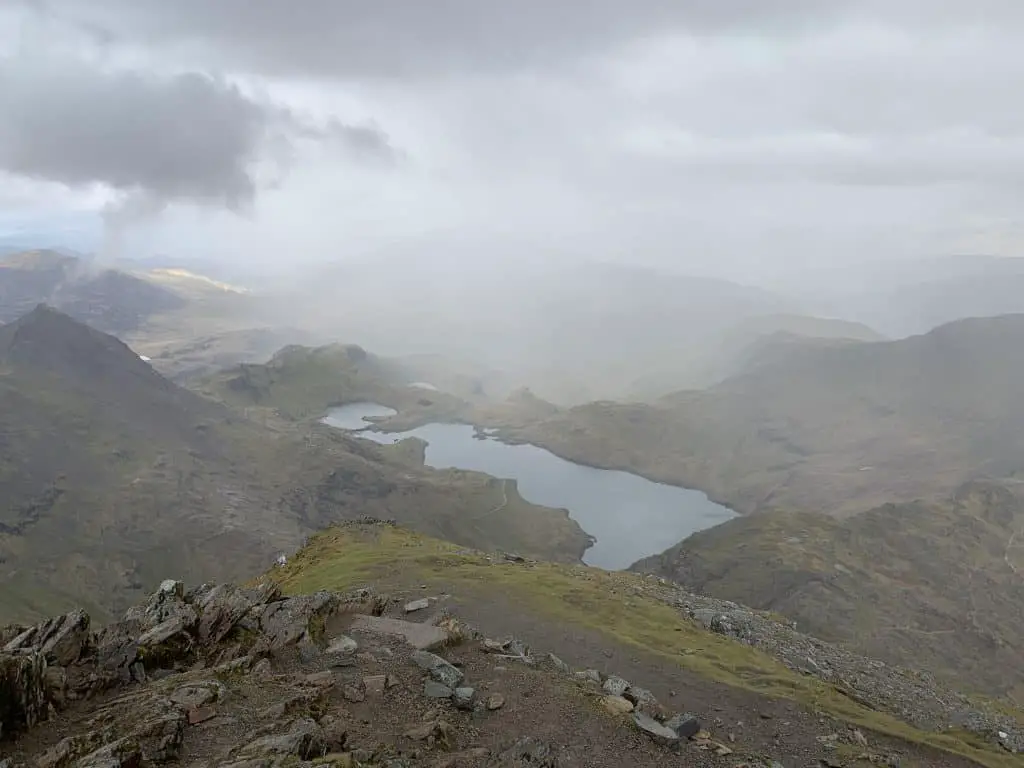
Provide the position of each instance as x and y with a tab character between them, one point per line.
737	137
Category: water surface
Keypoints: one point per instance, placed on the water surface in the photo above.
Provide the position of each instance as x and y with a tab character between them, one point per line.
629	516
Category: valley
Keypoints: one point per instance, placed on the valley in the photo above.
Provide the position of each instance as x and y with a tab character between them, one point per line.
875	480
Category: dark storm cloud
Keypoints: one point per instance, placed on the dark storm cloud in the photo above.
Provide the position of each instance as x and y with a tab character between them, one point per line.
184	137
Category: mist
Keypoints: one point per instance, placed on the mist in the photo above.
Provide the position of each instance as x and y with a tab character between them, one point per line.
597	193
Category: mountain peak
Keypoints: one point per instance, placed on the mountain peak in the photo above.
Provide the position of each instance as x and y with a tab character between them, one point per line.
49	340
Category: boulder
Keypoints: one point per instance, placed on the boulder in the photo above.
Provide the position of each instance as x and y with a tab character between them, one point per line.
615	686
305	739
423	637
660	733
222	607
167	642
295	619
62	639
439	669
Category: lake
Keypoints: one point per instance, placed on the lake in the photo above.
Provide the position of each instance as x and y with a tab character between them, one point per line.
629	516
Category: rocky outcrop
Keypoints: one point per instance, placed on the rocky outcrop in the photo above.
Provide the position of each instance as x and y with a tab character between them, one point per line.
44	667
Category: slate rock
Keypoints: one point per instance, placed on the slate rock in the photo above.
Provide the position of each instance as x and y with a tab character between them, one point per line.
615	686
435	690
222	607
62	640
305	739
686	725
439	669
463	698
422	637
660	733
417	605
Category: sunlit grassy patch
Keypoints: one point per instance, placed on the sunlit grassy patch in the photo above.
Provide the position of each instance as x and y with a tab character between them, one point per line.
612	603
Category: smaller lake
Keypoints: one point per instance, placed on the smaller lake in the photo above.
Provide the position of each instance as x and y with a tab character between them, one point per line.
629	516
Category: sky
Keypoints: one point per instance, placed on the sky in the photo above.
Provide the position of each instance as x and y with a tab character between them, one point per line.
745	138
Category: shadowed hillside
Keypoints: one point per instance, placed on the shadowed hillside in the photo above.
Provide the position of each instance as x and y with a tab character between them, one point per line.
935	586
111	475
107	299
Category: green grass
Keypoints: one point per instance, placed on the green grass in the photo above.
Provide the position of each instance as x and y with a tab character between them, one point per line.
612	603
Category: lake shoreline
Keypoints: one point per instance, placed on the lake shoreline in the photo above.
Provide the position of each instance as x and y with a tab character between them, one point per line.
629	516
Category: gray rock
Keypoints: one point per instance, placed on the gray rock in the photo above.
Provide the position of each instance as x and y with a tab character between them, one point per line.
287	622
589	676
660	733
615	686
61	640
165	604
558	664
686	725
435	690
640	697
417	605
223	606
463	698
495	701
705	616
167	642
305	739
342	645
423	637
438	668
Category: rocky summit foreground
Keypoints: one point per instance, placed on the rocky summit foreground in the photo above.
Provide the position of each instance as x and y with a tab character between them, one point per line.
432	666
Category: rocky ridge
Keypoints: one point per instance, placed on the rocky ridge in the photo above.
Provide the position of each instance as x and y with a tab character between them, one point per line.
245	677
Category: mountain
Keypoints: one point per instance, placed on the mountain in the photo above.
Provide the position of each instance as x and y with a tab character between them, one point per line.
111	475
833	428
374	646
937	586
107	299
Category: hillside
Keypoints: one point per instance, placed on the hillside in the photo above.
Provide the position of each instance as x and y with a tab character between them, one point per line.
387	648
112	475
935	586
836	428
302	383
107	299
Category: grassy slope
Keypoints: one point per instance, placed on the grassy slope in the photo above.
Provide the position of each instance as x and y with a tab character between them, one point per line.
613	603
929	586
